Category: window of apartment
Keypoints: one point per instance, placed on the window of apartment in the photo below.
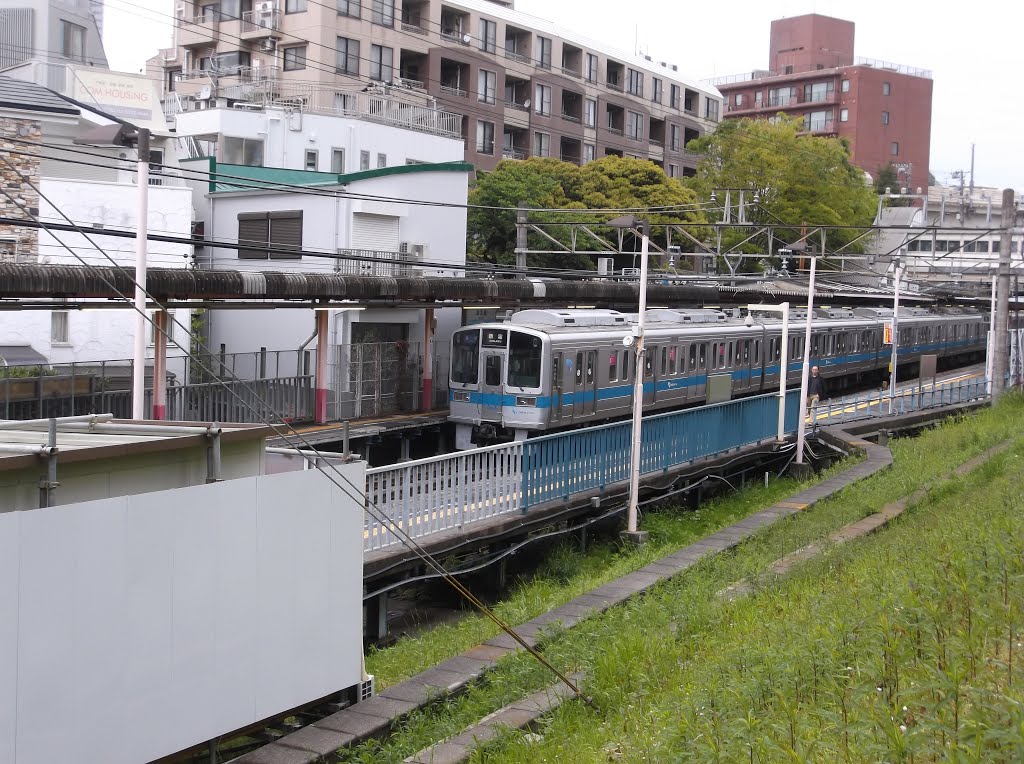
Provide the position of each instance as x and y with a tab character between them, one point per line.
541	145
351	8
817	121
656	90
348	56
487	86
711	109
818	91
844	115
757	97
781	96
260	231
635	125
673	140
544	52
738	99
589	152
635	82
788	69
60	333
382	160
894	148
484	137
364	160
672	171
245	151
886	88
338	161
173	76
294	6
381	61
232	61
488	35
383	13
542	104
72	41
294	58
209	12
885	118
590	112
311	160
590	72
844	86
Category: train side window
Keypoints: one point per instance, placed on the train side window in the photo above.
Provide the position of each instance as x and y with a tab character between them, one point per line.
672	359
757	350
648	365
746	351
728	364
814	347
579	369
556	370
714	355
702	350
664	360
591	358
626	367
492	371
613	366
693	357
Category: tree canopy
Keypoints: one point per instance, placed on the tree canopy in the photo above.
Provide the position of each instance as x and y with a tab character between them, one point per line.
610	183
798	179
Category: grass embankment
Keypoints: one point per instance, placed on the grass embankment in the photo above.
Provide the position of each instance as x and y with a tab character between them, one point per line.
818	666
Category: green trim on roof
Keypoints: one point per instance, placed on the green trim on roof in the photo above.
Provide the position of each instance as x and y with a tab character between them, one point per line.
404	169
285	176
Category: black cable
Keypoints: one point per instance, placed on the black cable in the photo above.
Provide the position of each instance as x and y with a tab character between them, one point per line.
357	497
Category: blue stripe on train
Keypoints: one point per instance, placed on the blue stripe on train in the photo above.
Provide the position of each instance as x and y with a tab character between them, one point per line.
625	391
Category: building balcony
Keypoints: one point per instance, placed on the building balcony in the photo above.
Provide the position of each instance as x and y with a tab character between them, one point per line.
454	90
414	28
820	126
258	25
614	130
199	31
513	152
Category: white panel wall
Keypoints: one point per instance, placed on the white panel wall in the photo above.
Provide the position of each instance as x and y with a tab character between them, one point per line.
137	626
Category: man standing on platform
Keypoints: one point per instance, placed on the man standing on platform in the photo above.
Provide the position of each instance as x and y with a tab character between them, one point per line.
815	392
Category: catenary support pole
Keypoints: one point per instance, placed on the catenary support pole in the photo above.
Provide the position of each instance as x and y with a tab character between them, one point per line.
783	372
428	360
990	349
805	369
161	326
638	395
897	277
1000	362
522	239
320	377
141	234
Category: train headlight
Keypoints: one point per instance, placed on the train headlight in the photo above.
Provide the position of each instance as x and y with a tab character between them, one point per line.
524	401
460	396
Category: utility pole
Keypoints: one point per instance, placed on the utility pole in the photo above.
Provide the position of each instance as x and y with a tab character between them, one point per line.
1000	362
895	334
141	236
805	369
632	534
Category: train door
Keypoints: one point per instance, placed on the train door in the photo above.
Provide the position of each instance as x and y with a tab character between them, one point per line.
590	383
578	385
556	387
492	390
650	356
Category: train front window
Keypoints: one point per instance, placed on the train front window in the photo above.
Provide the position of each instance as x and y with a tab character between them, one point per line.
466	357
524	360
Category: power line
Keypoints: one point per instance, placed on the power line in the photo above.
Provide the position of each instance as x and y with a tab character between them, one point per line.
357	497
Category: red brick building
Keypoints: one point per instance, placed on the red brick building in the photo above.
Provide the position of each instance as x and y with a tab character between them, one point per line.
883	109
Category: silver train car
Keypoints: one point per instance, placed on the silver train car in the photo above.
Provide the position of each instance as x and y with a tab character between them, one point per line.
547	370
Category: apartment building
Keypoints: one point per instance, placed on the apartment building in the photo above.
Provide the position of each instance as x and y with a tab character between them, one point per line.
884	110
56	31
517	85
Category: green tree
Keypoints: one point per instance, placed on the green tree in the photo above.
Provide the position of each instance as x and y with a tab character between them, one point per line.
611	183
797	180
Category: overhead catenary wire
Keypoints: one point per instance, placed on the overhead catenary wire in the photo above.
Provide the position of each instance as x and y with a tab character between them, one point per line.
356	495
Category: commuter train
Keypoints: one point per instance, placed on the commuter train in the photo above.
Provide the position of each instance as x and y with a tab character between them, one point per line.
548	370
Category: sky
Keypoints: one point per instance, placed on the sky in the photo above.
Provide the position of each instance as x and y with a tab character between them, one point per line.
972	51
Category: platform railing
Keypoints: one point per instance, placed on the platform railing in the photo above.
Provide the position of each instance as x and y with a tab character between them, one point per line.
906	401
442	493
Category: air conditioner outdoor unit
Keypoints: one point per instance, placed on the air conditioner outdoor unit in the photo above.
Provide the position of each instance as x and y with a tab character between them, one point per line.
265	7
268	45
412	251
9	248
605	266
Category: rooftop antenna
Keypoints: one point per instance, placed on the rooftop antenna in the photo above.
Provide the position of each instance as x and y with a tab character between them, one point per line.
972	170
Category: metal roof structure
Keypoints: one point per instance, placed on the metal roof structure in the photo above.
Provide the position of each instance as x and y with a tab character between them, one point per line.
100	436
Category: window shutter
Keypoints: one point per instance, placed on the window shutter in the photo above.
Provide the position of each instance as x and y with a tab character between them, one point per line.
286	233
254	230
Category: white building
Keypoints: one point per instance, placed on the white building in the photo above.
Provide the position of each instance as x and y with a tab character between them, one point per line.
92	187
380	186
52	30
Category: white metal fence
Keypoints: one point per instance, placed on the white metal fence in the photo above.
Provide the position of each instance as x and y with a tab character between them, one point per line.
443	492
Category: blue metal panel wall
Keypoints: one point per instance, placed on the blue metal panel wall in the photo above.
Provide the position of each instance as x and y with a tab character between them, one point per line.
557	466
